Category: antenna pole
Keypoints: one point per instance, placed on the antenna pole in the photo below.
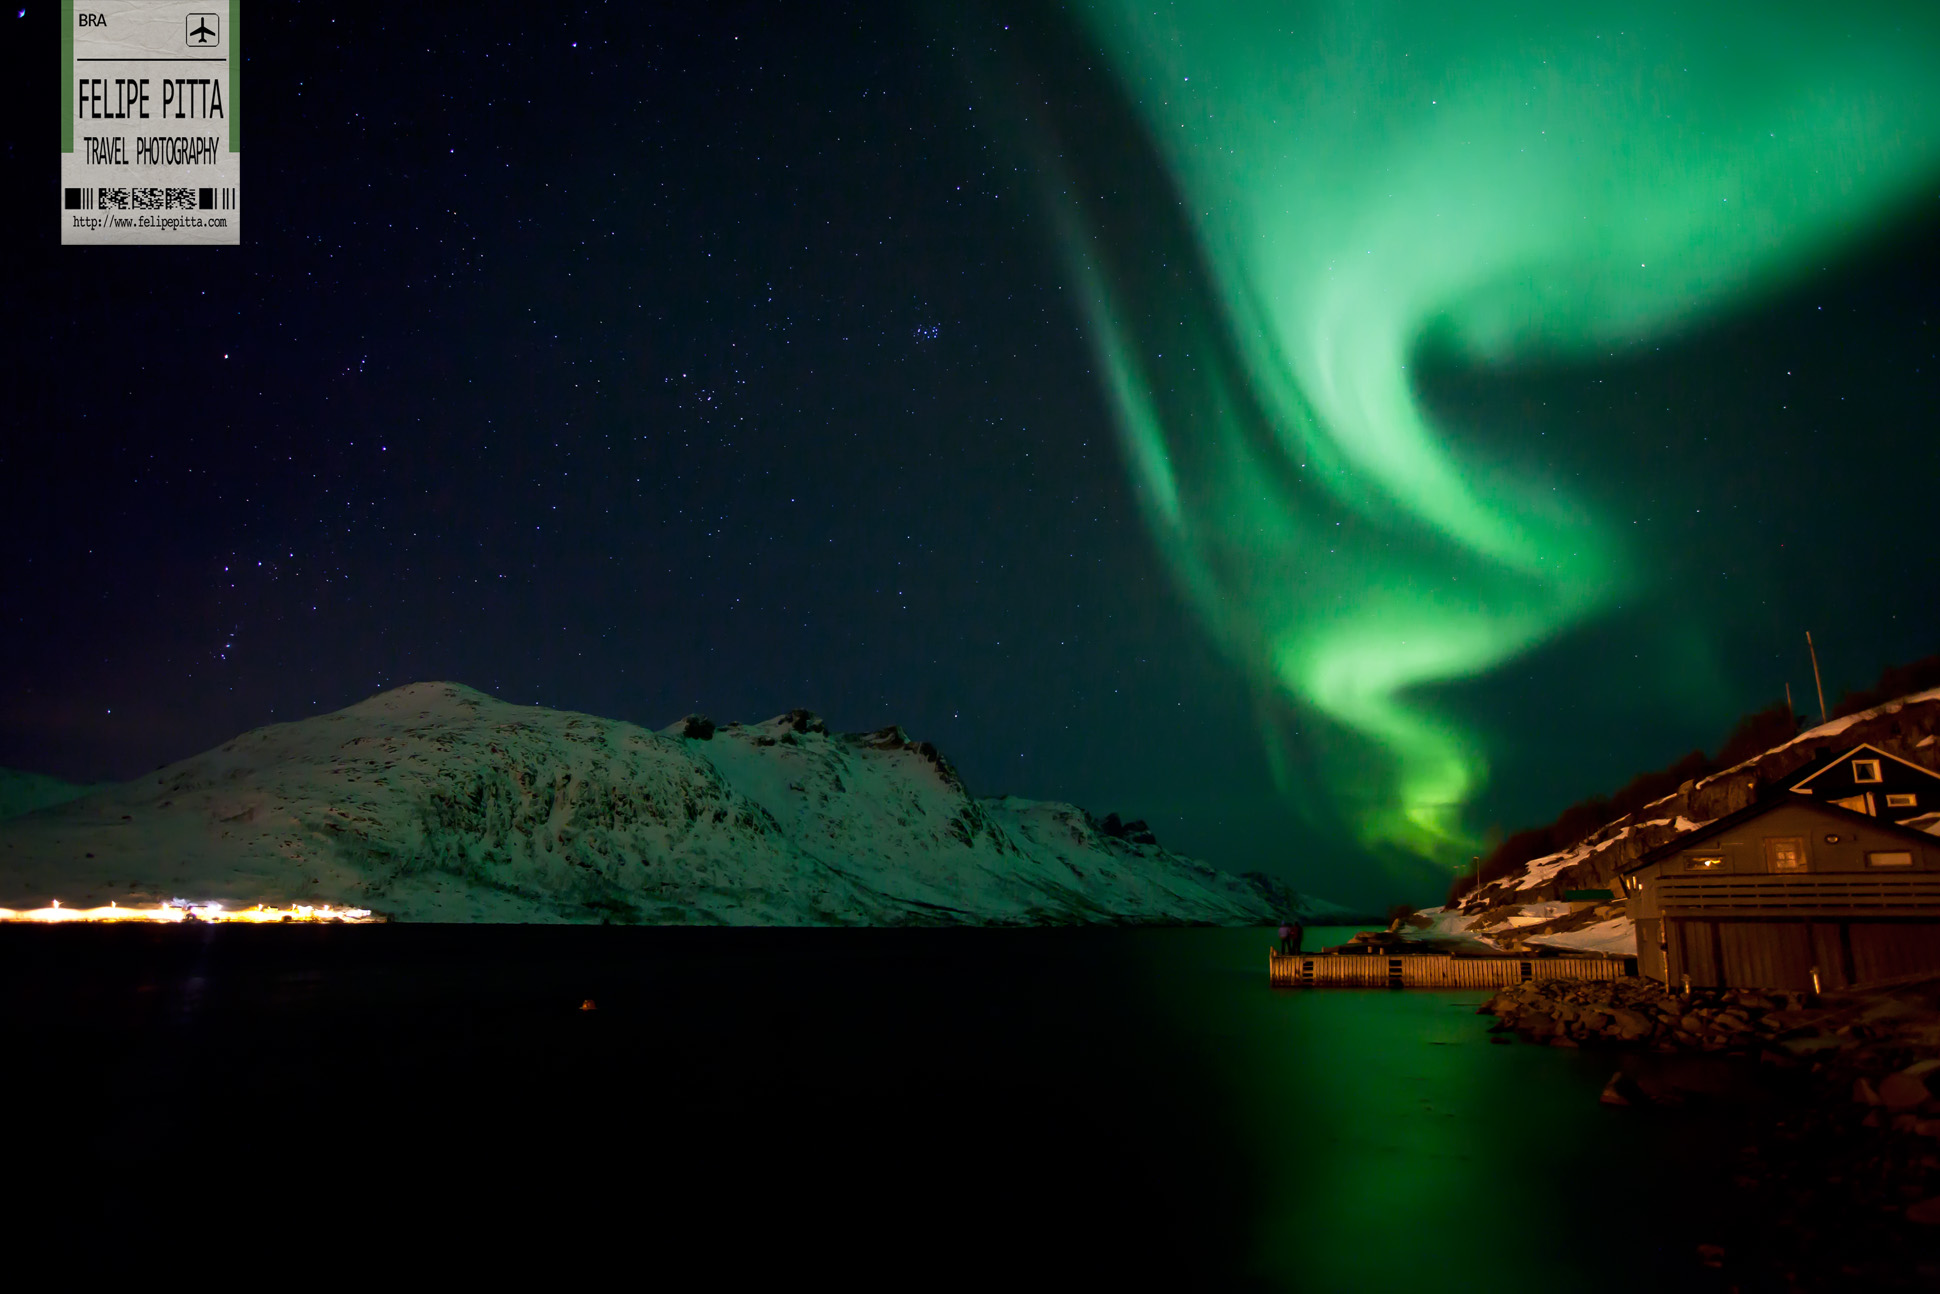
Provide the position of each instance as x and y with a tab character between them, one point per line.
1815	673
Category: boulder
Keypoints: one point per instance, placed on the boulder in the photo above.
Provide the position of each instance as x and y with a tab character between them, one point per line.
1630	1025
1901	1091
1926	1212
1863	1092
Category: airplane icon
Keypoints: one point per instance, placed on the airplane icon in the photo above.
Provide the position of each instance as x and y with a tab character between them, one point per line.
204	31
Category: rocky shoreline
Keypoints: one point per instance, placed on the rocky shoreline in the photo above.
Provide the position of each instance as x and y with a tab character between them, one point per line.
1830	1098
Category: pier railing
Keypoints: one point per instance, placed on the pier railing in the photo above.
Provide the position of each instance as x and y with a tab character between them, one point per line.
1432	970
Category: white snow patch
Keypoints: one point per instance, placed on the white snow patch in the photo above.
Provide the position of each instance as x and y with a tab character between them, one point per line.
1542	870
1927	822
1616	936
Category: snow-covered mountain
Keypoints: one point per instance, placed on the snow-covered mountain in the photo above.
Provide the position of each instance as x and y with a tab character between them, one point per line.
24	792
435	802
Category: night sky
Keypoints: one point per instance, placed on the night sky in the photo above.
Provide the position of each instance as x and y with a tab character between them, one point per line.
644	362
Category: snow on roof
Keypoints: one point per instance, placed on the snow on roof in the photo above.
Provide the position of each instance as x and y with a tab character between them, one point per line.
1927	822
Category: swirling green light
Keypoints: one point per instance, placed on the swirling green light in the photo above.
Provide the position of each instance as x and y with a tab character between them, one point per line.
1357	176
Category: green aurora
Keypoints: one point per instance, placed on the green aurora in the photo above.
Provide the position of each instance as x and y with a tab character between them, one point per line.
1344	184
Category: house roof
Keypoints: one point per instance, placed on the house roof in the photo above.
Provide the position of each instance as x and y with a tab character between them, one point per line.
1829	762
1759	809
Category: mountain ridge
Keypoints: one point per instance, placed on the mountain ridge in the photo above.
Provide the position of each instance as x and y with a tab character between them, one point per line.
434	801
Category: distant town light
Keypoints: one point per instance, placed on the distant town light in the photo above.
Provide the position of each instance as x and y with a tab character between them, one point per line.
176	910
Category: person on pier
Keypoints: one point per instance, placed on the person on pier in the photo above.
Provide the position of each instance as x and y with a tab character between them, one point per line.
1290	934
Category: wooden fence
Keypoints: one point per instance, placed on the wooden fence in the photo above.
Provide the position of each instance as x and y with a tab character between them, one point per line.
1431	970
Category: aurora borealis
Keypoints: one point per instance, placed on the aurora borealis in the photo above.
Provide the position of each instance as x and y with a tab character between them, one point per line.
1355	180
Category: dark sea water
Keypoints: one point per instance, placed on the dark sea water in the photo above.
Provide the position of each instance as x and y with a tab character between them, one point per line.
898	1108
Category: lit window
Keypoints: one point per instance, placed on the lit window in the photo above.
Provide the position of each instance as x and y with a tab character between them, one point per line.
1902	801
1704	862
1865	770
1785	853
1893	858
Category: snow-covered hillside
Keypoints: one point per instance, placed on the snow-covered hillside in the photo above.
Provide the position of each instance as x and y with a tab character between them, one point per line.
1510	910
24	792
435	802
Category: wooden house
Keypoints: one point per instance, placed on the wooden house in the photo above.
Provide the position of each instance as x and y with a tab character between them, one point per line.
1787	888
1869	780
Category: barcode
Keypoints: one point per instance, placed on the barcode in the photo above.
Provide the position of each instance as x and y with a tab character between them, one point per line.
150	199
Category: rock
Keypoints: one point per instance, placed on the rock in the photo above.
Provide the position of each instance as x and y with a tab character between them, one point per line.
1613	1091
1926	1212
1733	1021
1564	1040
1539	1024
1502	1039
1595	1021
1863	1092
1630	1026
806	721
1901	1091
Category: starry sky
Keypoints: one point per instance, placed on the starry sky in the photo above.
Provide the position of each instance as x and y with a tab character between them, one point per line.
645	362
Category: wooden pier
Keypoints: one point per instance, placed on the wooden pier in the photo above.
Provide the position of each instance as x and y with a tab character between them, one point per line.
1432	970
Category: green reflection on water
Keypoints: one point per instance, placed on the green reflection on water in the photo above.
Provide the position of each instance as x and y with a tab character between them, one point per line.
1389	1135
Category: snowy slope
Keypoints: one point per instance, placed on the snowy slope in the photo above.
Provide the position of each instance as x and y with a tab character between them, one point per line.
24	792
434	802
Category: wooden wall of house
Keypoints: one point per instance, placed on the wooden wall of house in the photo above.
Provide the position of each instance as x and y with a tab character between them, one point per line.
1782	954
1889	950
1832	845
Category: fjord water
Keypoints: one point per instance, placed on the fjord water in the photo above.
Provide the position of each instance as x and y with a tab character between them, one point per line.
892	1106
